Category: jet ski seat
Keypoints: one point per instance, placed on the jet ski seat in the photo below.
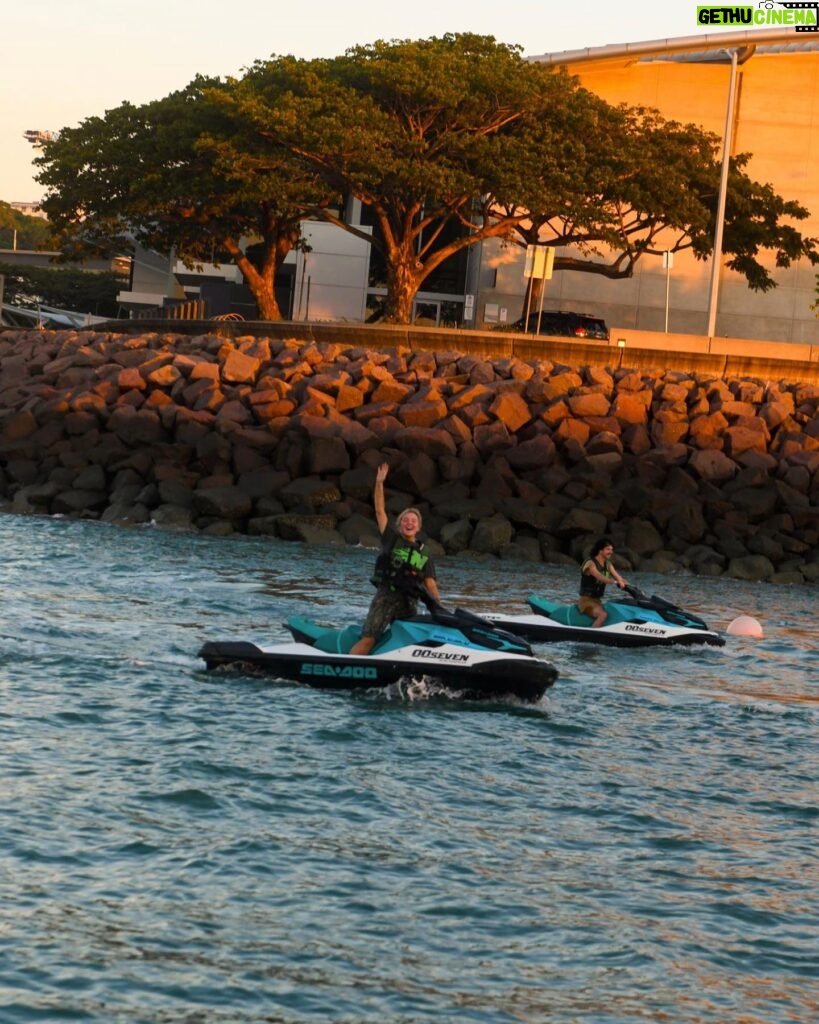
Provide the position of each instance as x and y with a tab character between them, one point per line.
337	641
331	641
565	614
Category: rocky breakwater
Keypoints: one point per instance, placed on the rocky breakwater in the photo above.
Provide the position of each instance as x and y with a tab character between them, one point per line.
527	460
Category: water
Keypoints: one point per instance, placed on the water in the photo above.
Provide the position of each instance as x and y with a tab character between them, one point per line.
181	846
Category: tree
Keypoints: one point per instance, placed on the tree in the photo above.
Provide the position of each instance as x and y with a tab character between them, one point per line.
82	291
652	185
27	232
180	173
463	129
413	130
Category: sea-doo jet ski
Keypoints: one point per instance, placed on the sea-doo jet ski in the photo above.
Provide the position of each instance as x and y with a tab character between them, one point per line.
458	648
635	621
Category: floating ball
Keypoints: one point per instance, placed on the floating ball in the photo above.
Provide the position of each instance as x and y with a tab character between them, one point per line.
744	625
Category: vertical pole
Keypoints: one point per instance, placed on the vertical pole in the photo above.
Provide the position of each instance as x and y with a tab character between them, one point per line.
667	287
540	306
723	189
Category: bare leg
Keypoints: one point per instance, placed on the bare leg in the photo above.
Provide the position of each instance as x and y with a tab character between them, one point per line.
363	646
599	618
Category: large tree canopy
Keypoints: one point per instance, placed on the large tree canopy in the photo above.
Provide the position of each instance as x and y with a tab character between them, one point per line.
445	141
463	129
419	132
652	186
180	173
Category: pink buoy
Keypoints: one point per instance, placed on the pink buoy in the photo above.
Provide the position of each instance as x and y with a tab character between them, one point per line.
744	625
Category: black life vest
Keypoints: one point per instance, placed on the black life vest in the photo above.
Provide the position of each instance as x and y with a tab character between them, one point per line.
401	567
589	586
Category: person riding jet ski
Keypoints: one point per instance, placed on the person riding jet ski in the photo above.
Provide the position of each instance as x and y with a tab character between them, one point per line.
595	573
402	568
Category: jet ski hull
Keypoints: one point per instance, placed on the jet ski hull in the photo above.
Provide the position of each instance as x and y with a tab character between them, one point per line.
415	649
646	622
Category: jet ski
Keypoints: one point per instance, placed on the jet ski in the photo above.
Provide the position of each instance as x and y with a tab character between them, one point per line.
457	648
634	621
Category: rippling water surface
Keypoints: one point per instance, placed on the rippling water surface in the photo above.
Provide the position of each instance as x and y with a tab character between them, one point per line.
179	845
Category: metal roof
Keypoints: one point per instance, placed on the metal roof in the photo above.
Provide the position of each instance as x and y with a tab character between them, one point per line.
703	48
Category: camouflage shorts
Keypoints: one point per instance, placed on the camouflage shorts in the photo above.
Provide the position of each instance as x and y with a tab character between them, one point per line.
387	605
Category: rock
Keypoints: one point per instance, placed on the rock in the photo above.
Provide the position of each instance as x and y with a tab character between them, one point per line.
751	567
229	503
490	535
310	528
686	471
582	522
456	536
309	491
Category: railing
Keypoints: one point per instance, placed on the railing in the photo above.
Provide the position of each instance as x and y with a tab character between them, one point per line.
190	309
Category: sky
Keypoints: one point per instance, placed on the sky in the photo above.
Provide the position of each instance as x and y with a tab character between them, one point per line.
66	60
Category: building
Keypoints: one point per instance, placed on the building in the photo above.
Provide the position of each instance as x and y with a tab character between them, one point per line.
762	84
29	209
774	116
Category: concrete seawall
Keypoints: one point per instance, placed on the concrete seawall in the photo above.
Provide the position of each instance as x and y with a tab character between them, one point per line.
516	449
626	346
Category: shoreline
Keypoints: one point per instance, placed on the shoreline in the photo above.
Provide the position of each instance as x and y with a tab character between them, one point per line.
505	457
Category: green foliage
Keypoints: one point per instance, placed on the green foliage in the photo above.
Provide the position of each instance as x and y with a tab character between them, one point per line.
653	185
463	130
82	291
420	132
179	173
446	141
31	232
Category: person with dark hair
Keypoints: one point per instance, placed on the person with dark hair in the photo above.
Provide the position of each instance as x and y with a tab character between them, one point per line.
402	568
595	574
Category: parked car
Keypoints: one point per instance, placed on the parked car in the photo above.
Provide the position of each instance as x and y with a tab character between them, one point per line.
564	324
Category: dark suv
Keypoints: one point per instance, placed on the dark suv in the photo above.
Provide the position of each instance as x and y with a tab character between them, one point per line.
564	324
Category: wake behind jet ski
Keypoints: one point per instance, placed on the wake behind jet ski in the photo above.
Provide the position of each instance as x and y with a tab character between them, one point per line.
458	648
636	621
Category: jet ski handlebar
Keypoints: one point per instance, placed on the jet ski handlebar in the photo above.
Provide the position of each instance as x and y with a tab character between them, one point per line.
671	611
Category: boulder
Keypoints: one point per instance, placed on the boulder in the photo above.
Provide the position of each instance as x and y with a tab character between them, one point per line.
490	535
229	502
751	567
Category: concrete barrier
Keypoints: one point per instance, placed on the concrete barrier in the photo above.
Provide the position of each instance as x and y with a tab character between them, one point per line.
626	347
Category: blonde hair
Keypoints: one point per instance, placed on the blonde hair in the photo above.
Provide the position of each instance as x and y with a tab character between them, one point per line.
401	515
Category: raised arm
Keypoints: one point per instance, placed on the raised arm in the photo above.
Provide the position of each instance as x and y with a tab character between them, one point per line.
378	496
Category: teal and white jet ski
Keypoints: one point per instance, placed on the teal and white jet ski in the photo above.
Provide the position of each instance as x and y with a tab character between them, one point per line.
635	621
459	649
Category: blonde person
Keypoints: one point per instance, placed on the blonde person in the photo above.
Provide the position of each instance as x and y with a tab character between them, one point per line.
402	567
595	574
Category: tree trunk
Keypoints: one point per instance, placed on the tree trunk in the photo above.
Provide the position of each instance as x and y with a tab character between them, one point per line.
261	284
264	294
402	287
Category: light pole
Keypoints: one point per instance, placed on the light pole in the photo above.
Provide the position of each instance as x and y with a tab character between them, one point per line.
716	265
668	263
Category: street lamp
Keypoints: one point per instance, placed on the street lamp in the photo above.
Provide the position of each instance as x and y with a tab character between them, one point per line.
723	191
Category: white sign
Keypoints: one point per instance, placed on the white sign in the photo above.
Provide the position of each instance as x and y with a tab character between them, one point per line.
540	261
